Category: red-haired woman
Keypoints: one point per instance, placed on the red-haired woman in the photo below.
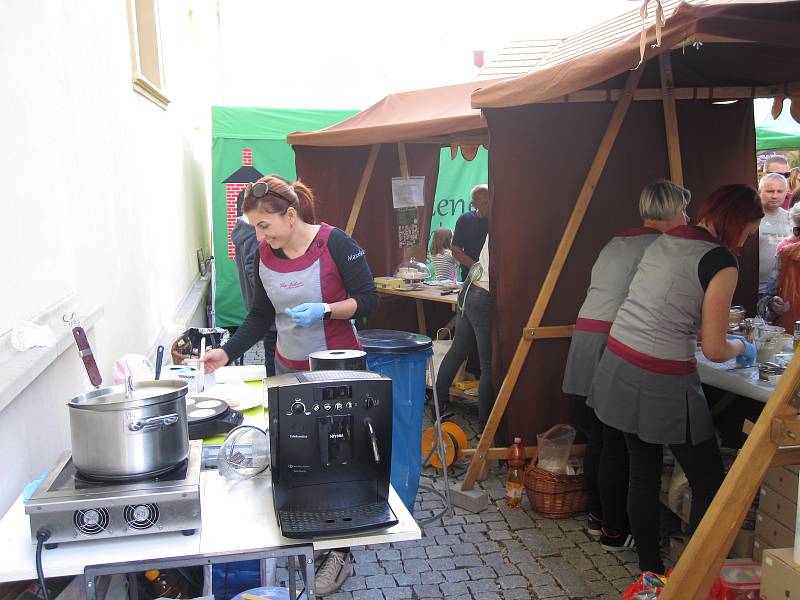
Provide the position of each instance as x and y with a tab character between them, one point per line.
314	279
646	384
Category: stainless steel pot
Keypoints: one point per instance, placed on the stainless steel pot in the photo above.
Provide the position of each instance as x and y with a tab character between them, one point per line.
127	431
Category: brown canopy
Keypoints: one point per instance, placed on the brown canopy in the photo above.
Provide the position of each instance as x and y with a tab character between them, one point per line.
404	117
546	129
589	59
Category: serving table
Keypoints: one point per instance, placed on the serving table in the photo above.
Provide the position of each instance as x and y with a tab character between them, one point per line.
428	293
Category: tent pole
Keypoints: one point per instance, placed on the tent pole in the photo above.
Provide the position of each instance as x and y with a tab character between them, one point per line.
700	562
670	118
564	246
362	189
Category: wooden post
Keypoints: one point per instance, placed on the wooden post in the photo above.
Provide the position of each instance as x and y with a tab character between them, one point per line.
362	189
700	562
546	291
670	118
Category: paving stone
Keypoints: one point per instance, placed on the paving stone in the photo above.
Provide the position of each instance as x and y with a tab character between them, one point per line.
536	542
415	565
592	575
487	547
499	534
368	595
392	566
369	569
427	591
380	582
516	519
470	518
441	564
456	575
591	548
431	531
454	589
364	556
487	596
354	582
547	592
472	527
623	582
397	593
612	572
490	517
517	594
439	551
567	576
406	579
448	540
431	577
457	520
481	572
603	560
482	585
388	554
540	580
454	529
513	545
405	544
473	537
416	552
581	564
340	596
467	560
578	537
466	548
496	494
512	581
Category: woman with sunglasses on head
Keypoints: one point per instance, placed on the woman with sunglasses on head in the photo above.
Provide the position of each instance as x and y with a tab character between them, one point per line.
646	384
314	279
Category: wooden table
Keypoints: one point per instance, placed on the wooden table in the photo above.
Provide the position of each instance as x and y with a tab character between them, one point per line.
428	293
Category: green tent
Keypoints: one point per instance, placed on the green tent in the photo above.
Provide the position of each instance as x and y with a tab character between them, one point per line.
783	132
250	142
246	144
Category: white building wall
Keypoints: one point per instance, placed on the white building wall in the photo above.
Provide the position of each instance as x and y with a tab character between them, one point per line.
102	195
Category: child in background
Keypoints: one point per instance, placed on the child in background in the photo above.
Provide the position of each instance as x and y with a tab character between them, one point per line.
444	263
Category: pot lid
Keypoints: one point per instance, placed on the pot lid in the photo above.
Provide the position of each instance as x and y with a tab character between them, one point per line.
390	341
144	393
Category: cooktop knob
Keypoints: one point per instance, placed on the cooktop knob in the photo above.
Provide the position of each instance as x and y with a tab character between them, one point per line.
298	408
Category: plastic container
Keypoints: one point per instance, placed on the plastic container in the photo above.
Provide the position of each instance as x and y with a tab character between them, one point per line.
270	593
514	487
516	454
403	357
738	579
768	340
554	446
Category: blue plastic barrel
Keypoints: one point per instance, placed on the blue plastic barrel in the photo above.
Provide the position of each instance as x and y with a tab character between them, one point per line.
270	593
403	357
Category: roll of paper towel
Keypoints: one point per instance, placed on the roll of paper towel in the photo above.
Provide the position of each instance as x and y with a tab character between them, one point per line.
234	374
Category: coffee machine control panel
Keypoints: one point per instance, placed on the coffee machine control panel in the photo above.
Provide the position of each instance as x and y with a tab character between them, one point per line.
332	398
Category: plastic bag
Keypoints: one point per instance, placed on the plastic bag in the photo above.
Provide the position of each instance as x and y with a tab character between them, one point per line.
132	365
441	346
554	446
26	335
649	585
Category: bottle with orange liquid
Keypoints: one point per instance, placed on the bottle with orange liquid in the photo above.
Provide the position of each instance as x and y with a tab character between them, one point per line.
514	483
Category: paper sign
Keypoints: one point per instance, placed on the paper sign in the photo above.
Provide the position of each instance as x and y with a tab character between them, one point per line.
407	192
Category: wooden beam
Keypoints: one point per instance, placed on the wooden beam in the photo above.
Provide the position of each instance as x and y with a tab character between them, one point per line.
714	536
547	333
670	118
786	456
362	189
530	452
786	431
401	153
549	284
683	93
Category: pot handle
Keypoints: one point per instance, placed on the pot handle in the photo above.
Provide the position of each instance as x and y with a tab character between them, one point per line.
159	422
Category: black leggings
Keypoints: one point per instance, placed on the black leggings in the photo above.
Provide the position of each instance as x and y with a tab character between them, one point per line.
702	464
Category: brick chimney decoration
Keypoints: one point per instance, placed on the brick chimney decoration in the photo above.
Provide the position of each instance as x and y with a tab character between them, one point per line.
234	186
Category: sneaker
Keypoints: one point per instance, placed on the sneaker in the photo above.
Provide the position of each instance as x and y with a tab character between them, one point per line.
338	566
594	526
616	542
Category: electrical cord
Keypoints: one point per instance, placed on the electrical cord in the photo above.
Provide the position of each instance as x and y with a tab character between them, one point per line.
437	516
41	537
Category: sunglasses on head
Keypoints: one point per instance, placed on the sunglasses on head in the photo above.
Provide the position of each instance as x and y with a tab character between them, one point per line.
779	173
261	189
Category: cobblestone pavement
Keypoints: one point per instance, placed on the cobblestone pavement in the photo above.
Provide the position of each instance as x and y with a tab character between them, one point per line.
497	554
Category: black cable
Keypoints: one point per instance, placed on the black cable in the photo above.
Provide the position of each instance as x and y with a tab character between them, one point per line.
41	537
439	515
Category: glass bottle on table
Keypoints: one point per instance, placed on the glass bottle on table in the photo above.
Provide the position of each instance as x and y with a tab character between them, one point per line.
165	584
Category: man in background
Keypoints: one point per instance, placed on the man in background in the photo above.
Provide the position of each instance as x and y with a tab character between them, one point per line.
778	163
774	226
471	230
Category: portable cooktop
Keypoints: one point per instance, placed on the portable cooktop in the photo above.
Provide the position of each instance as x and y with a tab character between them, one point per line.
73	507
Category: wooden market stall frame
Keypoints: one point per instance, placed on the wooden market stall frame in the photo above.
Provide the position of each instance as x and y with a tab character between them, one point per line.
779	424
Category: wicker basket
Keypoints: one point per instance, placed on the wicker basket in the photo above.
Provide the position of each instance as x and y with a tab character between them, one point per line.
555	495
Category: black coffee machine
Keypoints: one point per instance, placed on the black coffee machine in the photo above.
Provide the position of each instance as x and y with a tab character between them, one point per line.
331	451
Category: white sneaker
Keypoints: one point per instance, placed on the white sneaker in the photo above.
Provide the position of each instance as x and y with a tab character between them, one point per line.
338	566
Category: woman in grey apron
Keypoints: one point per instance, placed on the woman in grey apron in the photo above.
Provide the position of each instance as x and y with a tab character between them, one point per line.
646	384
314	280
662	206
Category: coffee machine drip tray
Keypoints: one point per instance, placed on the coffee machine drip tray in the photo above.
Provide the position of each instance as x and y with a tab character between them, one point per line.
308	524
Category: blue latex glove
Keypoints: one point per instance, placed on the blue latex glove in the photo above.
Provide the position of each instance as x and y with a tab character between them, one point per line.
748	357
306	314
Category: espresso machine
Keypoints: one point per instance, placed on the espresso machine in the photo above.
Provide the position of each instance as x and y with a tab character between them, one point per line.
331	443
